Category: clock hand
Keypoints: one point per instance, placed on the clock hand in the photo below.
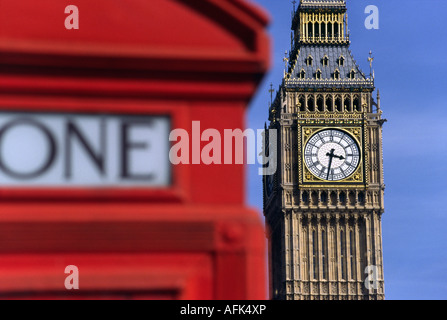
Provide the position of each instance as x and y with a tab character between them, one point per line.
331	156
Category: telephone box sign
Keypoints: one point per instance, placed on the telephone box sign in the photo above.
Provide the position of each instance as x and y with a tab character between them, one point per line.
77	150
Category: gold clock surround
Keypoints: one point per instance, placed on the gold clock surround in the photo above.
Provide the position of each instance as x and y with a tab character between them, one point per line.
308	180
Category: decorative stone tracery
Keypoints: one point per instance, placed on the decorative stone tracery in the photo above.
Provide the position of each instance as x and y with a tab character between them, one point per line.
323	234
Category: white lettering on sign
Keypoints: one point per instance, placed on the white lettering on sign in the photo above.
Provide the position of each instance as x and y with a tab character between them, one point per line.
73	150
72	21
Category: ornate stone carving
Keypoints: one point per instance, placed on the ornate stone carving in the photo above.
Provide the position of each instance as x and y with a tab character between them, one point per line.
344	289
333	221
306	288
334	288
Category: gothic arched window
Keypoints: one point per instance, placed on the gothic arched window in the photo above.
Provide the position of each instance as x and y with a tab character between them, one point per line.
317	30
338	104
356	103
324	197
314	254
342	198
336	33
329	30
342	254
324	252
361	197
320	103
333	198
302	104
336	74
351	253
311	104
305	197
309	61
329	103
352	198
347	103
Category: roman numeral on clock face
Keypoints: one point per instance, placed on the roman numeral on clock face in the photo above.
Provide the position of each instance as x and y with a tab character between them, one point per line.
322	171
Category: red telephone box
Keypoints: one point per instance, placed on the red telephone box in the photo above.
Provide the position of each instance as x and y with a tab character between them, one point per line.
76	186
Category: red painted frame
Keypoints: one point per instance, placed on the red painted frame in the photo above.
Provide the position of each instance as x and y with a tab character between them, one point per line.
45	68
175	193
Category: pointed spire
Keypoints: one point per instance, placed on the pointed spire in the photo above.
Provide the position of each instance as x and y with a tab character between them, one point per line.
378	100
286	62
370	60
271	93
294	9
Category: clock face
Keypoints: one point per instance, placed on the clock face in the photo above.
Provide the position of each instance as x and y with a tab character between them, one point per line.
332	155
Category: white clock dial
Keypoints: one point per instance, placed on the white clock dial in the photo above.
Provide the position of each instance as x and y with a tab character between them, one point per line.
332	155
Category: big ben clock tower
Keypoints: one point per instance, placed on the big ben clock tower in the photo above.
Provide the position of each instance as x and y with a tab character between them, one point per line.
323	206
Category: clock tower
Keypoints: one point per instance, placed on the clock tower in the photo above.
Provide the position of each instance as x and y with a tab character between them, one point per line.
324	204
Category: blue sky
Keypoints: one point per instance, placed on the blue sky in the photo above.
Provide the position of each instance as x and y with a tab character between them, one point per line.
410	51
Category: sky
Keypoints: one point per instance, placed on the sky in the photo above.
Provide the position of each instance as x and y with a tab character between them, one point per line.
410	52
